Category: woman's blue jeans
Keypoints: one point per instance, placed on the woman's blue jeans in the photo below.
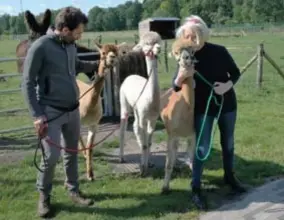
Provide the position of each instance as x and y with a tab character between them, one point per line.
226	126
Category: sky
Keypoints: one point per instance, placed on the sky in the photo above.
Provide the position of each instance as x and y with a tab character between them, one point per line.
37	6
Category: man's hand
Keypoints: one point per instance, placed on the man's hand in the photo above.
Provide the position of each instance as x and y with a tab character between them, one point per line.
41	126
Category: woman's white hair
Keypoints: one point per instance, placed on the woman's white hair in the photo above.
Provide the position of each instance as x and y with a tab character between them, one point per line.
197	24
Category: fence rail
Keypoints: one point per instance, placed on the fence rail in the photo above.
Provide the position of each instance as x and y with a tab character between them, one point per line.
107	93
4	92
14	110
2	60
9	91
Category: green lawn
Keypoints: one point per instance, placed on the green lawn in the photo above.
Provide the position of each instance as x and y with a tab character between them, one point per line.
259	148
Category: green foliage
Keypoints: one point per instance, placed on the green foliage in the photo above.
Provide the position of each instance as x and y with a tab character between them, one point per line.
127	16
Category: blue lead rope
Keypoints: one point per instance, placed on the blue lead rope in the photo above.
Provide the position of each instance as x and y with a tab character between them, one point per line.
211	96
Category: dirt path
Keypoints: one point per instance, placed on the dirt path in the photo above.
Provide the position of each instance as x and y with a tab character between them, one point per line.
14	150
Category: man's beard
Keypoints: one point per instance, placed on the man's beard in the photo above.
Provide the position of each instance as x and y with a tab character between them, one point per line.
68	39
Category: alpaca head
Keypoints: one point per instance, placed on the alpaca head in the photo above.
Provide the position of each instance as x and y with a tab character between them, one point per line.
36	28
183	51
124	48
109	53
150	44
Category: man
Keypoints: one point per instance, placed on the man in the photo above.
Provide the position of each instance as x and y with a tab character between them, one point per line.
50	65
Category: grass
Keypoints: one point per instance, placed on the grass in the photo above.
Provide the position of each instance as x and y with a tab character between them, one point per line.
258	148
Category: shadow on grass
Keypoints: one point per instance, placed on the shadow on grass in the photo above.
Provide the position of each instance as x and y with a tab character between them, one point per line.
159	124
150	205
178	201
16	143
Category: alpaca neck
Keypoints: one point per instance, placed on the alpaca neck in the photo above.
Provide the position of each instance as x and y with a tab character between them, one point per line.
98	86
187	90
153	81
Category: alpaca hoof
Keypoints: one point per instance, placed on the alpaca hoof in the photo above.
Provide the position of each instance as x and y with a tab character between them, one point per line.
189	164
165	191
143	172
121	160
65	186
90	176
151	165
177	169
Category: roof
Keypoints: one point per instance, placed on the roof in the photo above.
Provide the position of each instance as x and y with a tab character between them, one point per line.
160	19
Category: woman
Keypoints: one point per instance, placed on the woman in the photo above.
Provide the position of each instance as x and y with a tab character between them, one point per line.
217	66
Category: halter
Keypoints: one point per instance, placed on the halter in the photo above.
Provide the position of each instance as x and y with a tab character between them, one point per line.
191	54
150	53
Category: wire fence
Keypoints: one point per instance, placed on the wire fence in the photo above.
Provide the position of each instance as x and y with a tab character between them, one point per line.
15	118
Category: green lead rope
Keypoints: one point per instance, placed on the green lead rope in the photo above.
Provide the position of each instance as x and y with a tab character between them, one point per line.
211	96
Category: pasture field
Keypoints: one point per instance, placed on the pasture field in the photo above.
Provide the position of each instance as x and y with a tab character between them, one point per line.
259	146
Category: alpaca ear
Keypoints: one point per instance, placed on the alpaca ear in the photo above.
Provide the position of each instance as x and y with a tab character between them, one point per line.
46	19
31	21
121	44
197	34
137	47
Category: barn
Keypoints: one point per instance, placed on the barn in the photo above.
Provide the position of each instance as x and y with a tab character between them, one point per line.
165	26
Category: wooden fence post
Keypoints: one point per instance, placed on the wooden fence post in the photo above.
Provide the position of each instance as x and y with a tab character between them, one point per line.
136	38
166	55
259	75
249	63
273	63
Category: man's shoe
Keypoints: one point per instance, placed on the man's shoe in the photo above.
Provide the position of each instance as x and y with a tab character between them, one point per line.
44	205
78	198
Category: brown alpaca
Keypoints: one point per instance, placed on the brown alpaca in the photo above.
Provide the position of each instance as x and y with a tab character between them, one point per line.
178	108
91	110
38	29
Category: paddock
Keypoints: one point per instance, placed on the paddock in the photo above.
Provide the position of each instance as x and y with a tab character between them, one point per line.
119	192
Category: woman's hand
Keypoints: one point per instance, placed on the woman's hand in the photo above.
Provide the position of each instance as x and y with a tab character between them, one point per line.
183	73
221	88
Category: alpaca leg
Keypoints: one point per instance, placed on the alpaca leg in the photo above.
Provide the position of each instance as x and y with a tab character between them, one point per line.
123	126
139	131
145	150
150	131
89	153
124	111
82	146
170	161
190	151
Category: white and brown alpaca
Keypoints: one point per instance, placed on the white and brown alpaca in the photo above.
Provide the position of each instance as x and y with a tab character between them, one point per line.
178	109
91	110
143	98
125	48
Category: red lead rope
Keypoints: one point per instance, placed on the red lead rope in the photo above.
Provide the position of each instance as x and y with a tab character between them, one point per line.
49	141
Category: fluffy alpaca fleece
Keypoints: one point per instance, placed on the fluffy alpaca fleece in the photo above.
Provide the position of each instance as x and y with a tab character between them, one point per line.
142	96
177	111
40	28
91	105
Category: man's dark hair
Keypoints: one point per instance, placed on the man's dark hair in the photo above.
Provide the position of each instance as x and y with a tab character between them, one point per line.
71	18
